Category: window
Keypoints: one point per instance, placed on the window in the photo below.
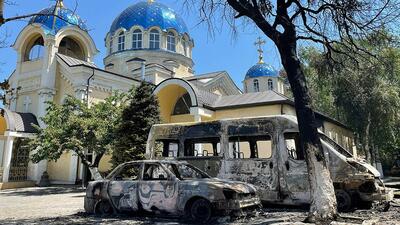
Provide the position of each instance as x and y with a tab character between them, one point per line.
129	172
137	39
246	147
186	172
154	172
171	46
154	39
183	105
270	85
36	51
203	147
292	142
256	86
111	46
166	148
121	41
72	48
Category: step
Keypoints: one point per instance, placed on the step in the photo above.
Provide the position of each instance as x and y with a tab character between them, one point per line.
20	184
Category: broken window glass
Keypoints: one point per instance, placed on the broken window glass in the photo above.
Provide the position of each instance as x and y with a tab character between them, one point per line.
166	148
292	142
186	172
129	172
206	147
248	147
154	172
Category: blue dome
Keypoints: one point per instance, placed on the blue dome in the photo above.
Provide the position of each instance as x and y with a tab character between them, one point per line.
68	18
261	70
149	14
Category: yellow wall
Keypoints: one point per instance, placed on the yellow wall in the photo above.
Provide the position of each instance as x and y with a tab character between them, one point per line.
248	112
3	125
181	118
60	170
342	136
167	98
63	88
105	163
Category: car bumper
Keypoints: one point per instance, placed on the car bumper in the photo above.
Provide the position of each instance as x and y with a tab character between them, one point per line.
383	194
227	207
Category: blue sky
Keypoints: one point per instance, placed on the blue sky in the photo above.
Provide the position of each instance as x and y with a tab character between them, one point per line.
220	52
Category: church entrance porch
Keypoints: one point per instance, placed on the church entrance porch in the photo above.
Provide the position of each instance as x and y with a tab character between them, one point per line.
19	160
15	168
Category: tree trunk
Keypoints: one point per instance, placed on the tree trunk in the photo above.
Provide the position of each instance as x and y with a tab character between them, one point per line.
1	12
367	146
93	167
323	200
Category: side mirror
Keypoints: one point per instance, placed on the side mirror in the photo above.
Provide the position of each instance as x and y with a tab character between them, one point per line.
118	177
161	177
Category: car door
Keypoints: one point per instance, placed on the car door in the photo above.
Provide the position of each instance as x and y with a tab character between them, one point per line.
253	159
158	190
123	187
295	185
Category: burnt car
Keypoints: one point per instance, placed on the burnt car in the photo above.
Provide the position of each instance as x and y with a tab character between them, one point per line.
168	187
266	152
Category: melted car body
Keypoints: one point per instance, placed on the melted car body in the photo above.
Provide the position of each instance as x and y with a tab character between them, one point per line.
265	151
168	187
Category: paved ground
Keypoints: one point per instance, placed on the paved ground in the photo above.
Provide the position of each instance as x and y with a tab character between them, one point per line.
64	205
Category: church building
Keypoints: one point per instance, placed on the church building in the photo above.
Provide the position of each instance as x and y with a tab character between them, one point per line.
147	41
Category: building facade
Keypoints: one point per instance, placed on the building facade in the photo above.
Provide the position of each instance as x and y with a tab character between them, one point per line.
147	41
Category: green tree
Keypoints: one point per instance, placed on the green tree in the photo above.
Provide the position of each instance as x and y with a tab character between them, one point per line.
73	126
364	90
137	118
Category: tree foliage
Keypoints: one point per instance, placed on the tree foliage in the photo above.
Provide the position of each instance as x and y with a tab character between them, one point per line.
136	120
74	127
362	90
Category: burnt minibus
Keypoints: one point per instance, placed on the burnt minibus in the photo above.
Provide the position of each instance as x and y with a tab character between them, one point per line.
265	151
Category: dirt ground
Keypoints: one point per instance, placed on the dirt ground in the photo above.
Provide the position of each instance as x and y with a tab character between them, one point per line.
64	205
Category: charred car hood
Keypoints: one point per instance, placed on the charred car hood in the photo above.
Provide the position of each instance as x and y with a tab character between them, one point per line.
239	187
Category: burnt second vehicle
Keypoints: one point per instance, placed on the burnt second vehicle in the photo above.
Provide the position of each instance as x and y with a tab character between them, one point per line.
168	187
265	151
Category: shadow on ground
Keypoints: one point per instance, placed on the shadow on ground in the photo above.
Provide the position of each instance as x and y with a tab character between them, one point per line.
40	191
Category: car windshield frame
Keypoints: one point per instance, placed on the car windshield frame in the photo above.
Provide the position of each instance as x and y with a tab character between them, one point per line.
174	170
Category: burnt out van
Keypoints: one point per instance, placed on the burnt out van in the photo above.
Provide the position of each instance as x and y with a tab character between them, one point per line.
265	151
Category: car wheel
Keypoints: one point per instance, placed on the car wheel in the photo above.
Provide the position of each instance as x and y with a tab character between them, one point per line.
200	211
343	199
103	208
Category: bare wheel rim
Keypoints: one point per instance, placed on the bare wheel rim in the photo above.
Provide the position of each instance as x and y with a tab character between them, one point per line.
343	201
104	208
201	210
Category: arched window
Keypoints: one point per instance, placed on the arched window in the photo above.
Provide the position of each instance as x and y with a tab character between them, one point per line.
182	106
36	50
270	85
70	47
154	39
111	46
137	39
256	86
171	46
121	41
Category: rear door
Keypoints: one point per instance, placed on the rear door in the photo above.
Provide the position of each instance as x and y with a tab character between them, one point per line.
158	190
294	185
123	187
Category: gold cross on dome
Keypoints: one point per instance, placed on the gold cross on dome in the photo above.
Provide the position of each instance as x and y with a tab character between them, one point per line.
150	1
260	42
